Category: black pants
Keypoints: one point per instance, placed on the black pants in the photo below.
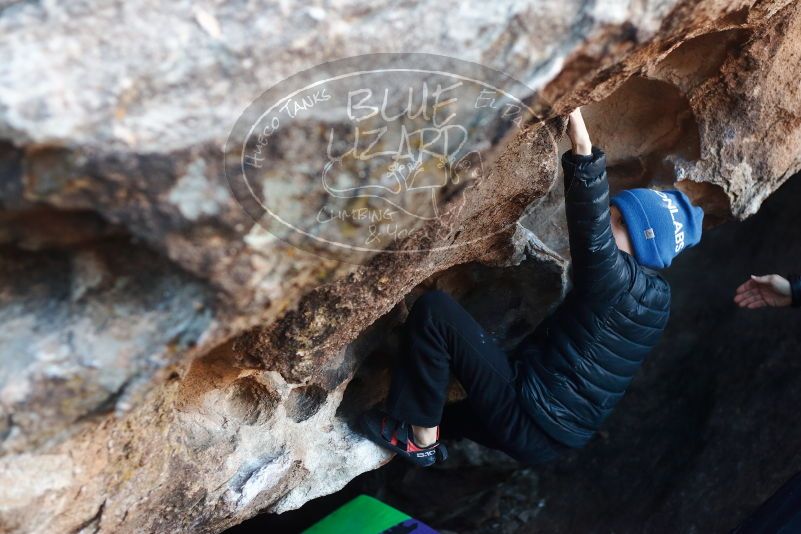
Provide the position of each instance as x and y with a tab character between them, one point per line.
441	337
781	513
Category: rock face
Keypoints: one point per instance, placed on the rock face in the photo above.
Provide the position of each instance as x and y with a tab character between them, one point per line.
168	364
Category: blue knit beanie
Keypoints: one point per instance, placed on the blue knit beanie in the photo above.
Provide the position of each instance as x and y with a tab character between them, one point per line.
660	223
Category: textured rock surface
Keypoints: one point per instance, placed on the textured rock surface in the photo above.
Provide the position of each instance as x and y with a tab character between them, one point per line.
135	392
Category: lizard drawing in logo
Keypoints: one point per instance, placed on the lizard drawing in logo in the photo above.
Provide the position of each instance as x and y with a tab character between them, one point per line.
413	172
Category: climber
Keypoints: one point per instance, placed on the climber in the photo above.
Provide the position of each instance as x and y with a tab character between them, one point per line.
564	379
769	290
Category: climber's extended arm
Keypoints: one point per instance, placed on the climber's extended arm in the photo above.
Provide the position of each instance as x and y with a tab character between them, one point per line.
592	245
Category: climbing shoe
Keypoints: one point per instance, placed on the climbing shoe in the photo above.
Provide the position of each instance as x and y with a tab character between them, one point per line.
397	436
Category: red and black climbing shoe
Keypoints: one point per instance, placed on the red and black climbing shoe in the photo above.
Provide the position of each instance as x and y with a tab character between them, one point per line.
386	431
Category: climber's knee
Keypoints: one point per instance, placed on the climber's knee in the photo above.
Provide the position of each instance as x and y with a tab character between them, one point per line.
433	302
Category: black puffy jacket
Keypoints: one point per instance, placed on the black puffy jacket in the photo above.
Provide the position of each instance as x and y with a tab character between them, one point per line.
579	361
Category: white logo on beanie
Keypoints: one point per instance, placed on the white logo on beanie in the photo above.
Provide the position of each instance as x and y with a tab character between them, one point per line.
677	226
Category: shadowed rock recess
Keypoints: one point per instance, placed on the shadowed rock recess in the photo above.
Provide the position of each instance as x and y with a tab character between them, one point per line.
166	365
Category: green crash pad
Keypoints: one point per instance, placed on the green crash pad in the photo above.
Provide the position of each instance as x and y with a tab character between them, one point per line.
366	515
